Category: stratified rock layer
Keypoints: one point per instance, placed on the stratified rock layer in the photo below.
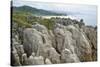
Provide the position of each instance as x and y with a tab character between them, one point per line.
63	44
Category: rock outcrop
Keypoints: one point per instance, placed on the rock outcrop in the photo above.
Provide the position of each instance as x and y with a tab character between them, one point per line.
65	43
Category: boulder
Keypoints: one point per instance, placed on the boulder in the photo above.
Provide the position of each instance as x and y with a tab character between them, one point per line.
24	59
37	60
68	57
16	59
81	47
47	61
32	40
54	56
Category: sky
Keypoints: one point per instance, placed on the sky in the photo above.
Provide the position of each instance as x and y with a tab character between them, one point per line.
55	6
87	12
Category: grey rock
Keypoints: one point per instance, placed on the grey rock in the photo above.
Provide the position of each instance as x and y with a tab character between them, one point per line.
36	40
16	58
69	41
32	40
31	60
81	46
59	37
54	56
40	28
36	60
68	57
91	34
47	61
24	59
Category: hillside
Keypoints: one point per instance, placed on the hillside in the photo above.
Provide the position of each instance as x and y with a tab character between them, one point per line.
34	11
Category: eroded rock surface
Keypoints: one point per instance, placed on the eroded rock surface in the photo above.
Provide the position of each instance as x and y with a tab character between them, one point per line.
64	44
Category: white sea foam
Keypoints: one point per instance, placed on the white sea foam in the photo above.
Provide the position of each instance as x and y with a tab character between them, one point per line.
48	17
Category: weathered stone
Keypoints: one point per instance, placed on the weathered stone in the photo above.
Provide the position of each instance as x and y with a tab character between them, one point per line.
68	57
24	59
36	41
91	34
69	41
32	40
47	61
31	60
36	60
82	46
54	56
16	58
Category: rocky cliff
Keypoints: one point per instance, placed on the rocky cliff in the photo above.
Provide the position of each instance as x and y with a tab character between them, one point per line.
68	41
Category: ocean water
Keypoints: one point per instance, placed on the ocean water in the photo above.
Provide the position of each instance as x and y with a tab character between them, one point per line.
77	11
86	12
89	18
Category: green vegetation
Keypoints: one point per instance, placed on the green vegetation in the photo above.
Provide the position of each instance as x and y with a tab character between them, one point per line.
20	19
35	11
47	22
25	19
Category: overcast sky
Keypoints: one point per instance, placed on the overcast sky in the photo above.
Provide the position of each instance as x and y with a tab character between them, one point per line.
56	6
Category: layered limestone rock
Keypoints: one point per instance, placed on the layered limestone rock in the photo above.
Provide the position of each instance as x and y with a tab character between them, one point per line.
91	34
37	60
47	61
64	44
81	45
67	56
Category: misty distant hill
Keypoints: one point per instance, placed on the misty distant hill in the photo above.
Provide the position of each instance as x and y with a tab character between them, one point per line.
35	11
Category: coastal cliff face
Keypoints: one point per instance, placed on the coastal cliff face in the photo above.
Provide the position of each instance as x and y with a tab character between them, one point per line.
68	41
